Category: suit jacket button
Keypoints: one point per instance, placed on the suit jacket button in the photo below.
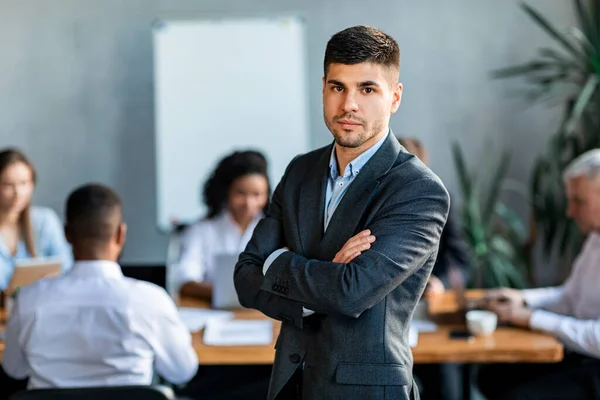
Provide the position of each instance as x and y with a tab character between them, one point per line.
295	358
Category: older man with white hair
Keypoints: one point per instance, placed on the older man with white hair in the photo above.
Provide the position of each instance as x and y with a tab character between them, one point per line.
570	312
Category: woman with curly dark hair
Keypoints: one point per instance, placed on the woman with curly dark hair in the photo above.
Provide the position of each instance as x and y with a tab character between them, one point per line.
236	195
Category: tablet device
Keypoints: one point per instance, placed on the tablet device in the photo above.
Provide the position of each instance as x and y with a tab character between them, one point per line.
30	270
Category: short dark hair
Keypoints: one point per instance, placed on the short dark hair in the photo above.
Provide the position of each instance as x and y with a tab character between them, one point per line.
230	168
93	212
360	44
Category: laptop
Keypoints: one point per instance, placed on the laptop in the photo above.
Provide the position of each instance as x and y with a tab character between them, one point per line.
30	270
224	294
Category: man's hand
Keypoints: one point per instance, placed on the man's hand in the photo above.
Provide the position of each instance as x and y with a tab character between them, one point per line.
515	314
434	286
354	247
508	296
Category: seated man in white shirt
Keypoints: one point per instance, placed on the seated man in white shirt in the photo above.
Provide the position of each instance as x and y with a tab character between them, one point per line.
570	312
92	326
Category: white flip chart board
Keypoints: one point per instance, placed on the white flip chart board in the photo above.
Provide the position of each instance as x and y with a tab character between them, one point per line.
224	85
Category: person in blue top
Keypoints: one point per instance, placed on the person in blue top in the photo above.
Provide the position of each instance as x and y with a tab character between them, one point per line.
26	231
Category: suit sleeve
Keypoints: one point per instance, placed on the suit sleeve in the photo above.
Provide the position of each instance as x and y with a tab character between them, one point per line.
248	275
407	231
453	251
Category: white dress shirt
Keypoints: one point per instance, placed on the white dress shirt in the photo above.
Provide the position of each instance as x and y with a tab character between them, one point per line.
571	312
95	327
204	241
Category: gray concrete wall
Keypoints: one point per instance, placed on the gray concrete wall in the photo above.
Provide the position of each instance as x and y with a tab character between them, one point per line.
76	89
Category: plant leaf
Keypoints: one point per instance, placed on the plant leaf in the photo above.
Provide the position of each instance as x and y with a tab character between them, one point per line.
551	30
500	245
496	266
582	102
561	59
496	187
585	22
523	69
512	220
461	167
515	276
515	186
595	13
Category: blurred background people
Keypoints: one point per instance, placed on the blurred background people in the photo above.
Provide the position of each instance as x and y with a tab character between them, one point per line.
236	195
450	271
92	326
26	231
570	312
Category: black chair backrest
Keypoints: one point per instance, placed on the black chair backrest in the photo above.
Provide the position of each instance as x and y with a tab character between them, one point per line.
99	393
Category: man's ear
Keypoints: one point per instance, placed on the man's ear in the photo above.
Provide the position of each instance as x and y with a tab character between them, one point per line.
121	234
396	97
67	236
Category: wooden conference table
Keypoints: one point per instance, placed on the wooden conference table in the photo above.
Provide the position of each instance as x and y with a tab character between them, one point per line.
506	344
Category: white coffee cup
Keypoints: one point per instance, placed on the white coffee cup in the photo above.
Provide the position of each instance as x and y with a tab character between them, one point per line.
481	322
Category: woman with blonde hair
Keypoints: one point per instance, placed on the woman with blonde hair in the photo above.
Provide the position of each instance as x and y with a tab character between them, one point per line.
26	231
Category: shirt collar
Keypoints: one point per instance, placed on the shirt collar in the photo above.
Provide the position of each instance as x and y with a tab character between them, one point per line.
358	163
100	268
226	218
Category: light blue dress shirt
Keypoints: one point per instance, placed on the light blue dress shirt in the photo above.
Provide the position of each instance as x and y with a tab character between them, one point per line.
49	240
338	184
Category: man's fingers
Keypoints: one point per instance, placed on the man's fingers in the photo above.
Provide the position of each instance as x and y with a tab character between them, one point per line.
354	246
352	257
358	247
362	245
501	310
494	294
358	243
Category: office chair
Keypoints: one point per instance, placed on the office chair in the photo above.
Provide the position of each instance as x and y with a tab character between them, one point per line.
99	393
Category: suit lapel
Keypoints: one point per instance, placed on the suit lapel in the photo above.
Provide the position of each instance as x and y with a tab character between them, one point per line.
312	204
350	211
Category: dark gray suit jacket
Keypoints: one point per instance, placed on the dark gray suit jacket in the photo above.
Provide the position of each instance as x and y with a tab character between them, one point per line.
356	345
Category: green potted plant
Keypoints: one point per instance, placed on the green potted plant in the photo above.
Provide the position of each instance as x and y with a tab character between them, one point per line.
571	72
494	232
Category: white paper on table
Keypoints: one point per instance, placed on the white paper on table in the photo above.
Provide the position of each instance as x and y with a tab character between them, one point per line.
413	336
221	332
197	318
423	325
